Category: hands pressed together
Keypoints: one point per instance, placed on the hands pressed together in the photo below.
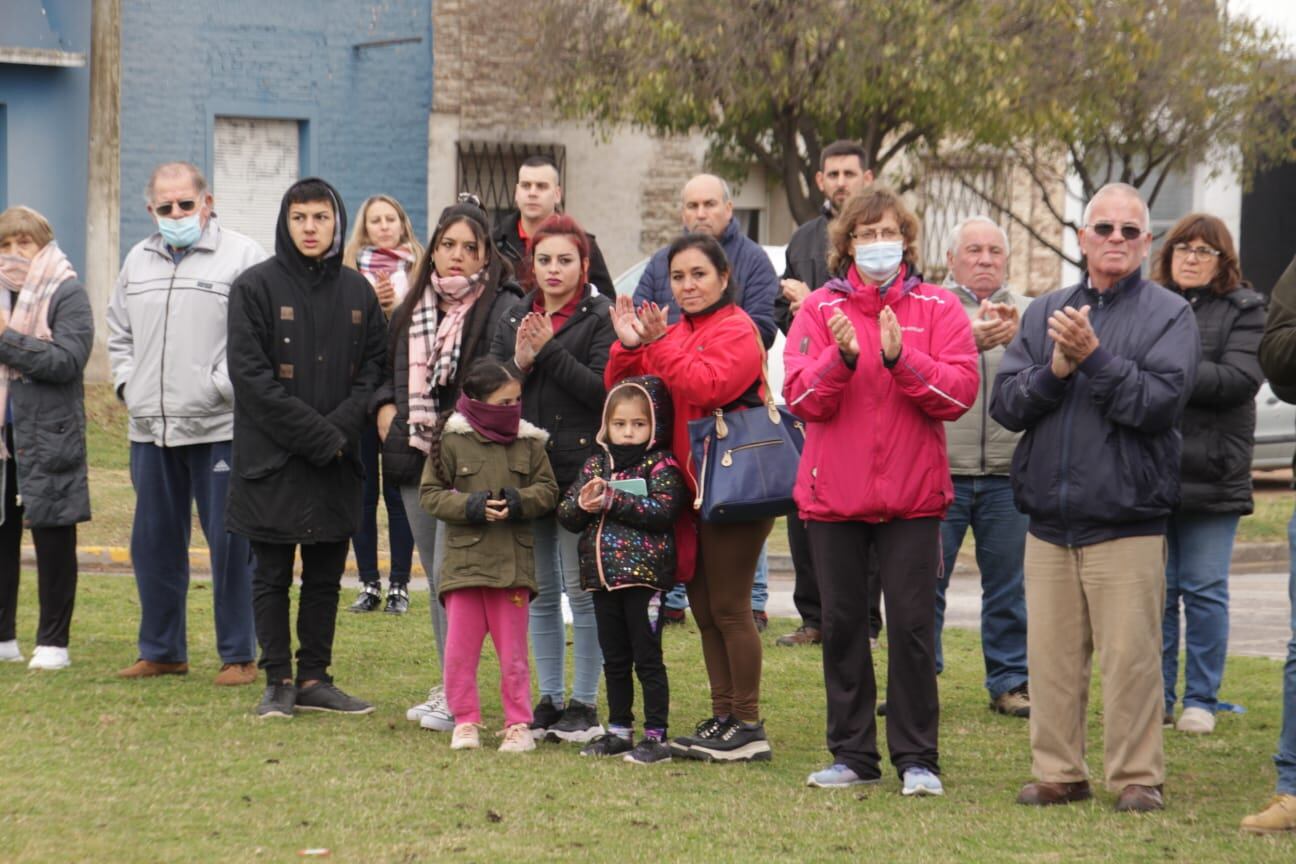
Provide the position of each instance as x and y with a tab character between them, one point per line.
591	495
1073	338
638	328
848	340
996	324
533	334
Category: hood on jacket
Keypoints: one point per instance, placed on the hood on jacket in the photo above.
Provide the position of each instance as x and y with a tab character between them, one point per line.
311	269
661	412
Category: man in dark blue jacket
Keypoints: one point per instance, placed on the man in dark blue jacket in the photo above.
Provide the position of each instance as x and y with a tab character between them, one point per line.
1097	377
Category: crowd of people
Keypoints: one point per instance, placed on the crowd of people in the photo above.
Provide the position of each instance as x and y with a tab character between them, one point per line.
527	431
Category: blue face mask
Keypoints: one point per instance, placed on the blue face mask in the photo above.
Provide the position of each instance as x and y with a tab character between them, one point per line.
180	233
877	261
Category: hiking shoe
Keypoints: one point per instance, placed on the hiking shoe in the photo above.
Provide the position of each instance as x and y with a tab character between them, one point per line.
649	751
609	744
433	714
326	697
579	723
369	600
803	635
921	781
49	658
838	776
277	701
1196	721
1014	703
397	600
9	652
1140	799
1279	817
760	619
739	742
672	616
148	669
706	730
546	714
1046	794
236	675
466	737
517	739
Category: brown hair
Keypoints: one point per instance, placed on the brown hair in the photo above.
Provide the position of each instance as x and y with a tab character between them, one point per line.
1212	232
26	222
623	394
866	207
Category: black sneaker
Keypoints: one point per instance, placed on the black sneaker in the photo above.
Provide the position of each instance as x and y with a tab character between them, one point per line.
397	600
325	697
649	751
607	745
739	742
706	730
369	600
578	725
277	701
545	715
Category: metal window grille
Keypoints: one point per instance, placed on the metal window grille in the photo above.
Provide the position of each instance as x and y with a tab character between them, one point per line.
948	194
489	169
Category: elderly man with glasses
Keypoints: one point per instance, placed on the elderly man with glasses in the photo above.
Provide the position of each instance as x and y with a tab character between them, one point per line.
1097	378
166	325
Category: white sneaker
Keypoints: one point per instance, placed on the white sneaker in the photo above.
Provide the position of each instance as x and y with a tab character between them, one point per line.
517	739
9	652
435	702
1196	721
465	737
48	657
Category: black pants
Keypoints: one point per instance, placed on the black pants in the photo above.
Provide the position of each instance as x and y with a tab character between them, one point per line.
322	565
631	637
56	569
805	589
908	557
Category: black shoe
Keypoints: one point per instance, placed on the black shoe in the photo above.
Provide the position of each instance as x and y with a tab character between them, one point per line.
544	716
649	751
277	701
397	600
369	600
578	725
325	697
708	729
739	742
881	709
607	745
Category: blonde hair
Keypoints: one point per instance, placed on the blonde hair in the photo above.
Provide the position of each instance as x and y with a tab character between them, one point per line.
360	235
24	221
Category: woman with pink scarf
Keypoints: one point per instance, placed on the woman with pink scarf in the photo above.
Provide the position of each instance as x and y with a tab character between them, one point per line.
459	288
46	330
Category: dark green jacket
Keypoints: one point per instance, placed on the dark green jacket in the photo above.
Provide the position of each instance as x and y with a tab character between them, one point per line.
1278	346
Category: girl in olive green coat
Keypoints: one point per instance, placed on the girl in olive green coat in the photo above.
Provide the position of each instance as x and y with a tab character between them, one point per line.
487	477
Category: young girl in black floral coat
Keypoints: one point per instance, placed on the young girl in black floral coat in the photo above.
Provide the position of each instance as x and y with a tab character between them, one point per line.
625	504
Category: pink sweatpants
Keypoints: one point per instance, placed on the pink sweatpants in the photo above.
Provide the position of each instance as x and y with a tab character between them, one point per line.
471	613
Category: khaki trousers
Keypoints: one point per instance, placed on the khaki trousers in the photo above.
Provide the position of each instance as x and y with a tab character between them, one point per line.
1107	596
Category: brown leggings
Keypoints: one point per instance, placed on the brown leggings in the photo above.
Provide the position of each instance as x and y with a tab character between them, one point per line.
720	597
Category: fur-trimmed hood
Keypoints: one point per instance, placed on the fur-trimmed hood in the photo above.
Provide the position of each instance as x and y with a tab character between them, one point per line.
458	424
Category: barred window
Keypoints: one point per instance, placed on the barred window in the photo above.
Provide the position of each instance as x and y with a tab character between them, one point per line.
489	169
948	194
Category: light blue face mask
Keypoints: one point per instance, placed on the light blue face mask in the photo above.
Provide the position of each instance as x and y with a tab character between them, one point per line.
878	261
180	233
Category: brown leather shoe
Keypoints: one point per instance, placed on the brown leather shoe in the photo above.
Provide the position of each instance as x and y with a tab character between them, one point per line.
149	669
236	674
1140	799
803	635
1041	794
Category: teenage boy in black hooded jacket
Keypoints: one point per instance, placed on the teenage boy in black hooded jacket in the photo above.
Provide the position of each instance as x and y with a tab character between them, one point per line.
306	344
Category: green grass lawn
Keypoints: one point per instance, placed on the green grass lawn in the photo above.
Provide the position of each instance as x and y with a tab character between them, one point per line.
97	769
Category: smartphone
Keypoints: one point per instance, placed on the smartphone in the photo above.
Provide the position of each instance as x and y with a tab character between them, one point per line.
634	485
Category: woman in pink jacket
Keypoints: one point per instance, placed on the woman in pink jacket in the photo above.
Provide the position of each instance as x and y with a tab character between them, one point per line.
876	362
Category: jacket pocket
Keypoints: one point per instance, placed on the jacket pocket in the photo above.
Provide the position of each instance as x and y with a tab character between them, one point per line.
60	445
463	538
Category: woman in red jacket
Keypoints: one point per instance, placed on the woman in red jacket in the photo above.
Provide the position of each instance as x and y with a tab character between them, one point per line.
709	359
876	362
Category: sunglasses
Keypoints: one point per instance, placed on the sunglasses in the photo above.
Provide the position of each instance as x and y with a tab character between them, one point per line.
1105	229
186	206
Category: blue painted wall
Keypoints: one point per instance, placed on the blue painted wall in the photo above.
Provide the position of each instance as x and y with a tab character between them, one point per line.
44	155
365	110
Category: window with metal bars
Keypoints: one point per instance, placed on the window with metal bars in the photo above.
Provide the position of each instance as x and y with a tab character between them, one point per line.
489	169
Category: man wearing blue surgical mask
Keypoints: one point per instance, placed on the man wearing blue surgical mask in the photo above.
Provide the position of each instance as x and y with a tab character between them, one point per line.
166	342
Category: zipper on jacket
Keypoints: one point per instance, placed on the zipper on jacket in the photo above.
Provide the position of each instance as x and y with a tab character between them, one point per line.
166	329
985	411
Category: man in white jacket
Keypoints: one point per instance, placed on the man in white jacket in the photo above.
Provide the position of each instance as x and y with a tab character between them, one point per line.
166	341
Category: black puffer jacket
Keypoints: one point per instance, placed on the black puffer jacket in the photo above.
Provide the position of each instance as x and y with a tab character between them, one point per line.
563	394
306	342
1219	422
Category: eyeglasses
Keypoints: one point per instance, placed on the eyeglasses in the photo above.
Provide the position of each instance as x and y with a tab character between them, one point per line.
1105	229
186	206
1198	252
871	235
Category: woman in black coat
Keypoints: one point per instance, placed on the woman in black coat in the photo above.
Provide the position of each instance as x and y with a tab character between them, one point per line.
1199	260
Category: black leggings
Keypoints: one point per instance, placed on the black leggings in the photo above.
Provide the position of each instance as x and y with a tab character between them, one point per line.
629	632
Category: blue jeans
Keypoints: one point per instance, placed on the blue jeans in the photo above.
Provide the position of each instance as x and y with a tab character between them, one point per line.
558	569
1285	758
365	540
986	505
676	598
1199	547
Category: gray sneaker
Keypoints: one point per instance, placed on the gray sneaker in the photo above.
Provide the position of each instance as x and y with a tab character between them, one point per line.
277	701
326	697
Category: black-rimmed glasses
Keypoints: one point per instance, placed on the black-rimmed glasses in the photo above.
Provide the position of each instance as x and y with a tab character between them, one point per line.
1105	229
188	205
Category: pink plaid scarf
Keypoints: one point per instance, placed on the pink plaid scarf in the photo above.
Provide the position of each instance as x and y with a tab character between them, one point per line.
435	341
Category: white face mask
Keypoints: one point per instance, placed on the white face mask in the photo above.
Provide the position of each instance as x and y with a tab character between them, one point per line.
877	261
13	271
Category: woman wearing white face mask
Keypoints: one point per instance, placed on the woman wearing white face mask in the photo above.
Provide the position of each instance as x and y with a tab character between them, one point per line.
876	362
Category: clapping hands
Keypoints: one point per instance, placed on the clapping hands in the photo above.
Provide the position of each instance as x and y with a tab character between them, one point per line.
1073	338
638	328
996	324
533	334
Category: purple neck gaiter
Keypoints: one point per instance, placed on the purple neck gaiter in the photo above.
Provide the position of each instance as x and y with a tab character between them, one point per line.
499	423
